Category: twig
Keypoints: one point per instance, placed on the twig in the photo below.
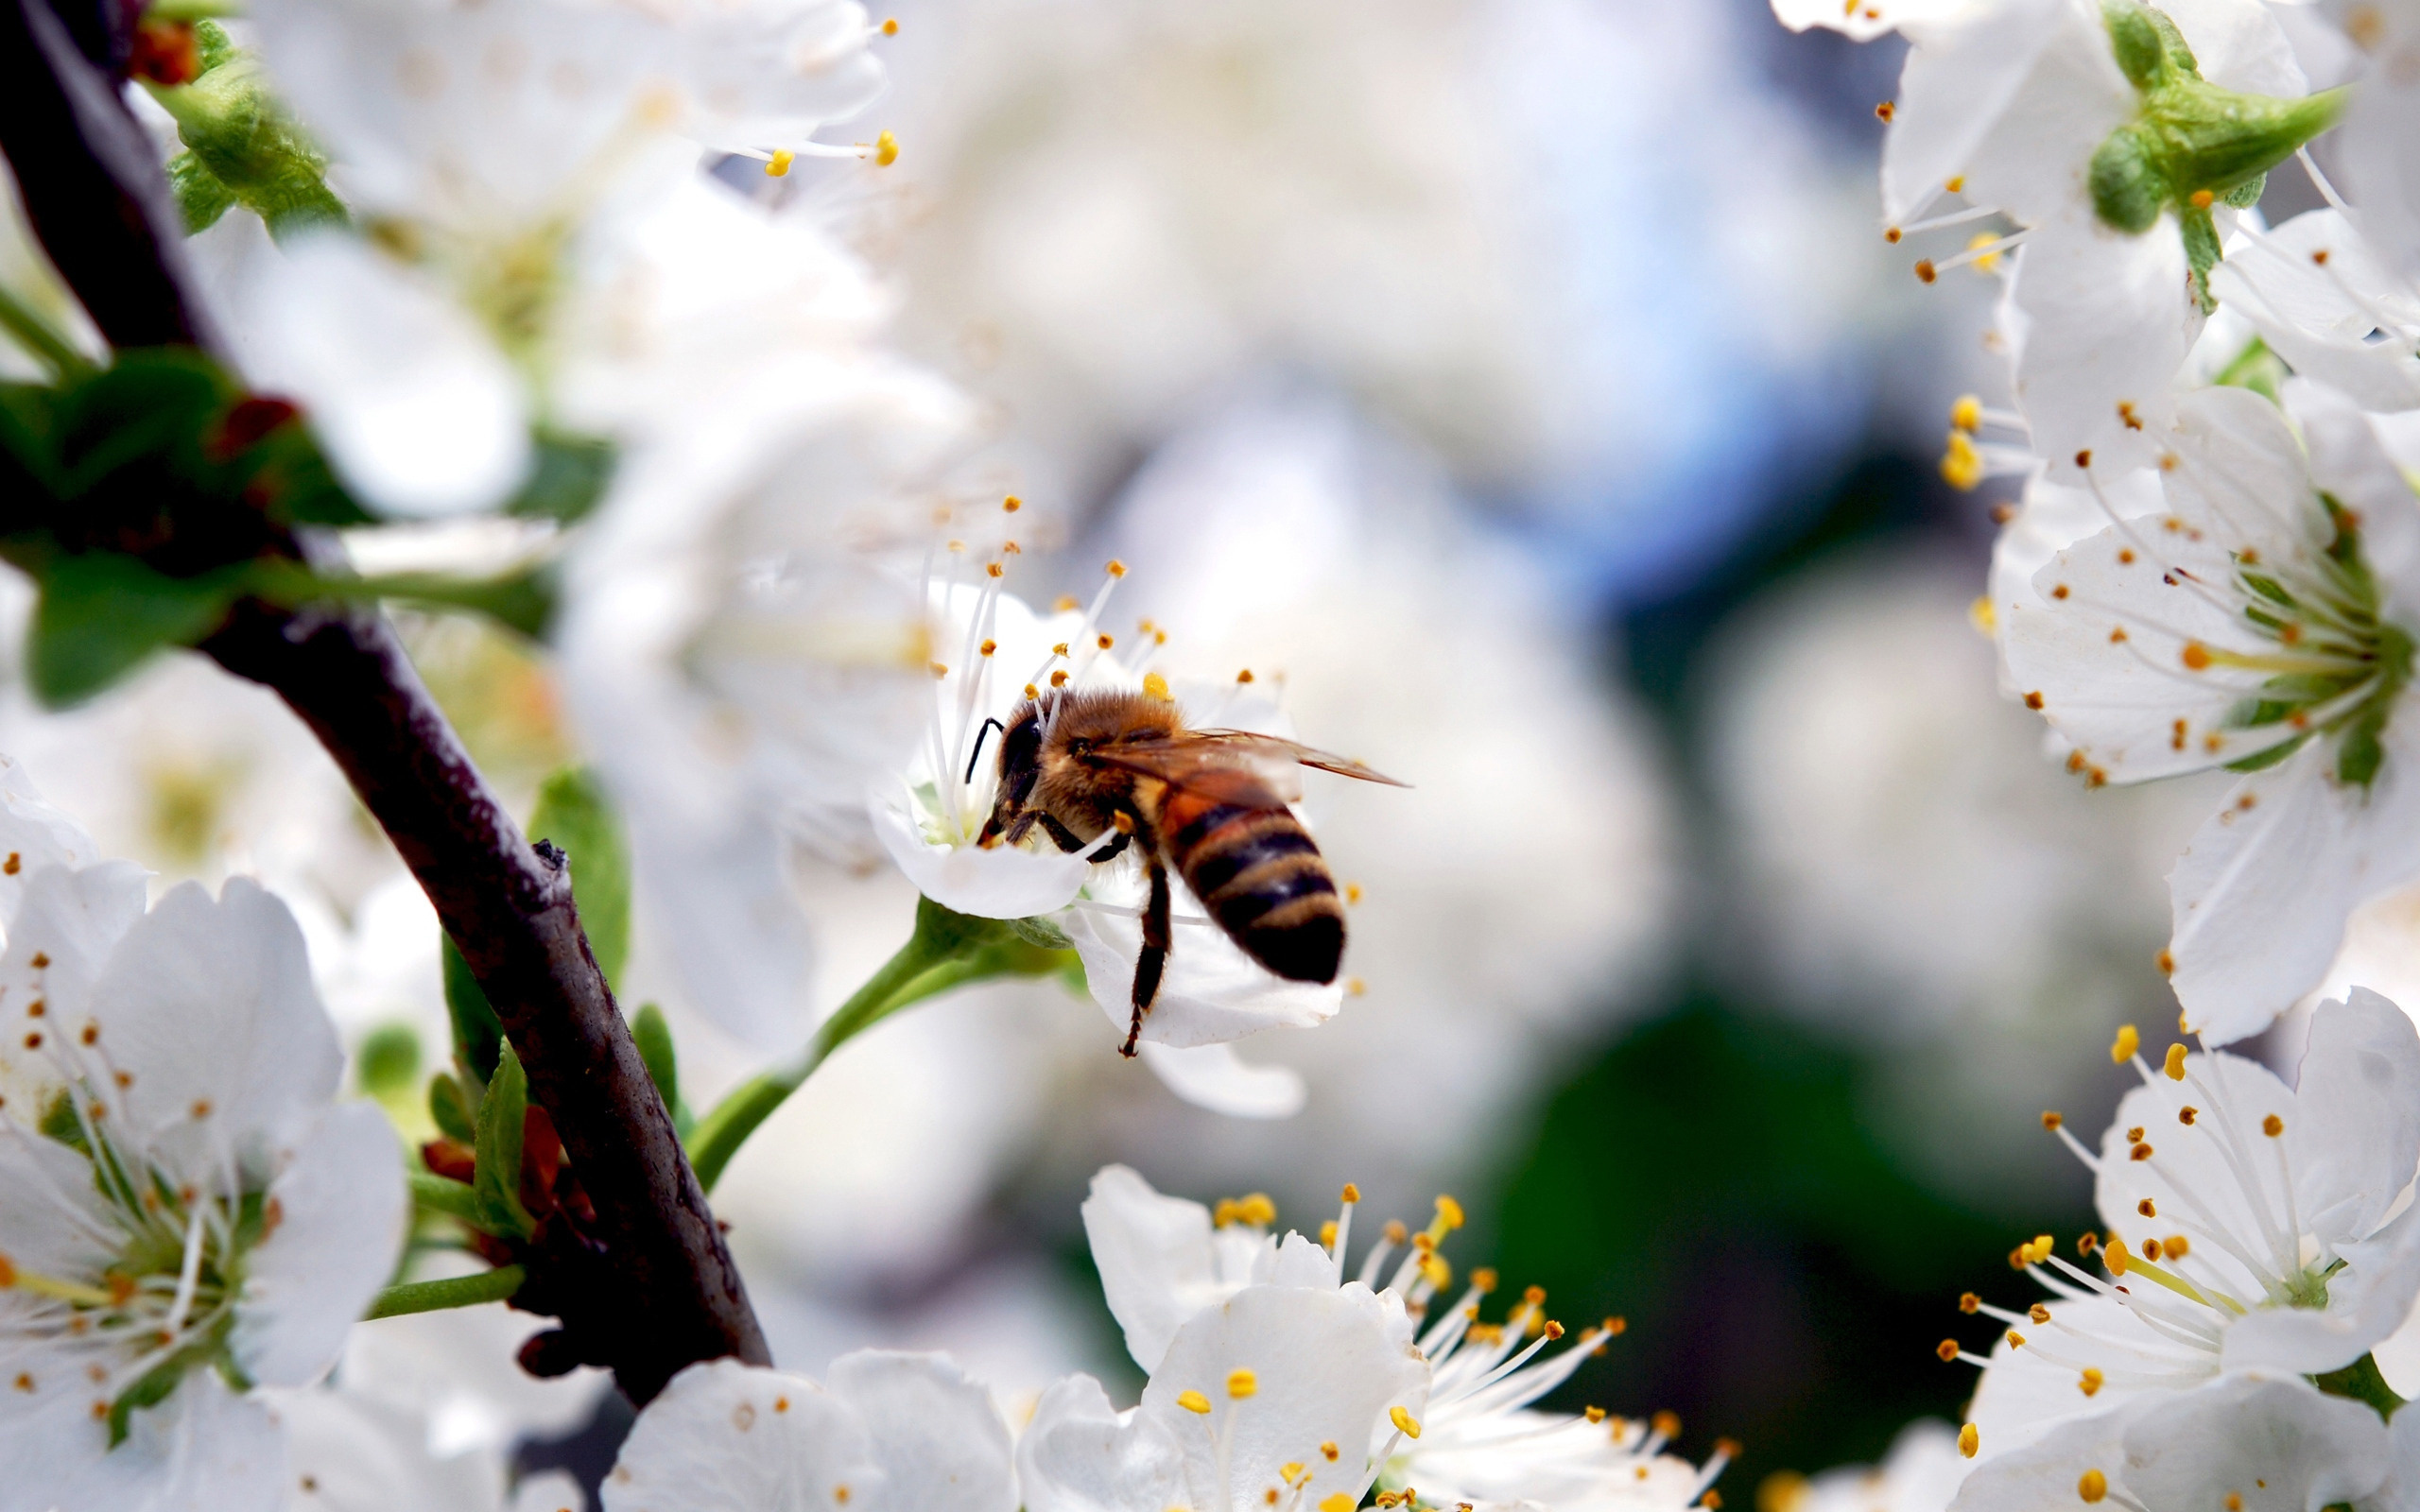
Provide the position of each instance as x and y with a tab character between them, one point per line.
648	1287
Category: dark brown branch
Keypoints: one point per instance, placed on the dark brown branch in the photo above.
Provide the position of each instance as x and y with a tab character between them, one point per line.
664	1293
650	1288
90	182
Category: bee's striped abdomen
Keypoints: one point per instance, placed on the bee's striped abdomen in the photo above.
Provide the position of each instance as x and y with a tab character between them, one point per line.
1264	881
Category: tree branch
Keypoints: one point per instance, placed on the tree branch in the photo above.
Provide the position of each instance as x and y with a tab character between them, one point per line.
664	1292
648	1286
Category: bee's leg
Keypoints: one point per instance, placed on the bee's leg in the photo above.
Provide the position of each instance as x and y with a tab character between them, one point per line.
1154	956
1114	848
1015	833
1066	838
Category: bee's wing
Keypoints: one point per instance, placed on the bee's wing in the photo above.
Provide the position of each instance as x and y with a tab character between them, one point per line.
1232	766
1286	752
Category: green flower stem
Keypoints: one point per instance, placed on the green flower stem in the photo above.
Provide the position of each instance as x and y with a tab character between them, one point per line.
947	950
455	1291
192	9
40	340
2363	1381
455	1199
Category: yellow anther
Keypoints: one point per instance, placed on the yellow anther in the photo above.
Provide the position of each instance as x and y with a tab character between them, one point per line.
1292	1470
1986	619
890	27
2115	1257
886	150
1011	504
1328	1452
1351	1194
2051	1121
1962	464
1244	676
1449	1216
2273	1126
2090	1382
1989	262
2093	1486
1115	568
1104	641
992	569
987	647
1059	679
1969	1440
1352	892
1405	1422
1060	648
1328	1234
2176	1067
1553	1329
1155	686
1032	691
2015	1340
1436	1271
939	669
1338	1503
1242	1383
1595	1415
1064	604
1484	1279
1967	414
1193	1401
779	164
2122	1049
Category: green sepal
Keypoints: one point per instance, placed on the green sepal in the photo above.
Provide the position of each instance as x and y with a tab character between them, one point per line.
2256	368
2135	40
569	475
478	1034
202	197
498	1175
2202	252
573	813
2363	1381
1040	931
449	1108
2263	761
238	137
60	1122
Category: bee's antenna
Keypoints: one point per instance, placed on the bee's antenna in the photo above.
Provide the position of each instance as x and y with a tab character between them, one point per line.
989	726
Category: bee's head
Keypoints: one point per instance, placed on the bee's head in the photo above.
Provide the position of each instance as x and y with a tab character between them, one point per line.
1020	767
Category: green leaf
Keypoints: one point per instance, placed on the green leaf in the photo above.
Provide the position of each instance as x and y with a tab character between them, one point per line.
497	1177
477	1032
101	614
570	475
449	1106
573	813
655	1038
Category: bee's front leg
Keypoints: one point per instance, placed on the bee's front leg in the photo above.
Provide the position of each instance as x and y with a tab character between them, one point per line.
1154	956
1066	838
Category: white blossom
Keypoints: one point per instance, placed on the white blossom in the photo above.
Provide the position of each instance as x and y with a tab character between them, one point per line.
2256	620
884	1433
1921	1474
2264	1441
2251	1226
187	1215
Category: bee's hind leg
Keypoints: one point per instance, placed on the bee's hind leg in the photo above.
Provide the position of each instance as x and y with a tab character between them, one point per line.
1154	956
1061	836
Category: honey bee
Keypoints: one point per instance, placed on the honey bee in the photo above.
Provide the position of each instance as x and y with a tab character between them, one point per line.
1209	804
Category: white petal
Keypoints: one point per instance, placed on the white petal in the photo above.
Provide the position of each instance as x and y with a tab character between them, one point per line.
456	1368
1077	1455
209	1004
348	1453
419	413
2379	171
2310	1451
2011	96
728	1437
341	1212
2350	461
2023	1397
2401	1492
2319	314
1216	1078
71	921
2357	1115
2237	45
36	832
1005	881
2262	893
1863	20
1154	1256
2098	319
1328	1366
939	1439
203	1449
51	1218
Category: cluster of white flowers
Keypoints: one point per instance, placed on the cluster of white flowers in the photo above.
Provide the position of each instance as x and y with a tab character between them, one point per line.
2211	567
1277	1379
